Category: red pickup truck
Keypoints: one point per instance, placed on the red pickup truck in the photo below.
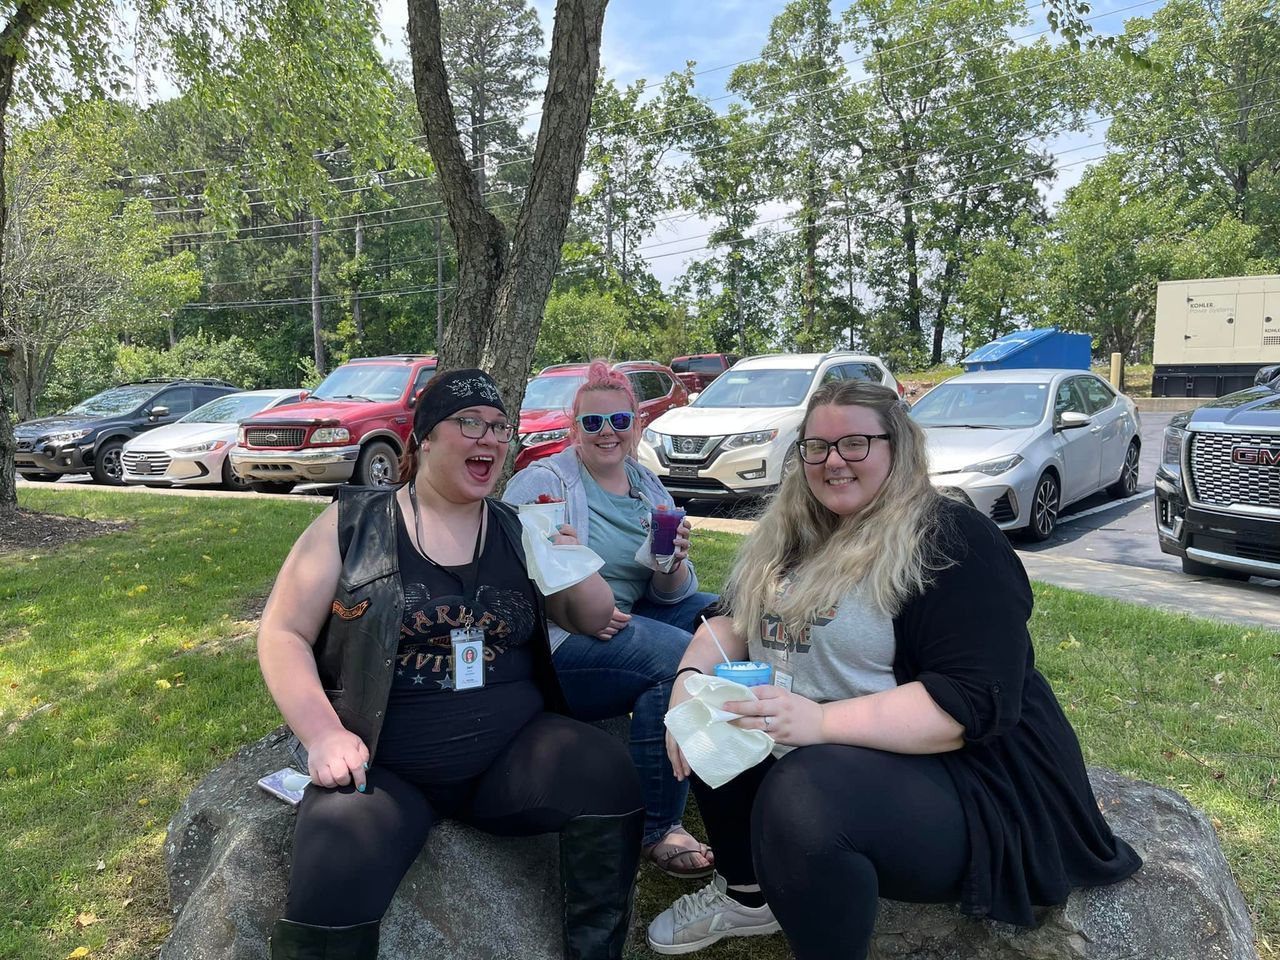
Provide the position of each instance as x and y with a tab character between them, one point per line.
352	428
697	371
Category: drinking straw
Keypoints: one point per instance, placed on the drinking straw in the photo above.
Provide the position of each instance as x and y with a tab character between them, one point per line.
715	640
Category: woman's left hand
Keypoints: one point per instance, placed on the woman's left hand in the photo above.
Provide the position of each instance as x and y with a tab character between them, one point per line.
787	717
681	541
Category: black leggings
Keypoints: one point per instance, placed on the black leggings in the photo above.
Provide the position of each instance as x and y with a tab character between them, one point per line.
827	829
351	850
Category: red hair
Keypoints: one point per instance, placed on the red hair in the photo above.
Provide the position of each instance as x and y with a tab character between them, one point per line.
601	377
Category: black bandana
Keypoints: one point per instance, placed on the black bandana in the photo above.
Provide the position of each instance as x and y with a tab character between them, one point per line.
447	393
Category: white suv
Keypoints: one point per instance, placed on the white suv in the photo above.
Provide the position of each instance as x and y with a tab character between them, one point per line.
737	439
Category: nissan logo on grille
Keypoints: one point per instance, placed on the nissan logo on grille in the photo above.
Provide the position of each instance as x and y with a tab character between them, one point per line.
1256	456
688	445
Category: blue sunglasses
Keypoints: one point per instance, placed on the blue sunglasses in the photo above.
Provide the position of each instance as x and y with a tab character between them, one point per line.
594	422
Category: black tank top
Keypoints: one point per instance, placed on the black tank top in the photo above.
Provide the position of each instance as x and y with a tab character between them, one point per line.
432	732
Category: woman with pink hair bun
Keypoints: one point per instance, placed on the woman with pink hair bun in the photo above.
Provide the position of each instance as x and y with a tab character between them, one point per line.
628	667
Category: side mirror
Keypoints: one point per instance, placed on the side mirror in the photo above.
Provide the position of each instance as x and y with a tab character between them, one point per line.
1073	420
694	396
158	413
303	394
413	400
1266	374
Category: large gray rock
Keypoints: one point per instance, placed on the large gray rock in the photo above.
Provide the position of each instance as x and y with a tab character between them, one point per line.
228	852
1182	905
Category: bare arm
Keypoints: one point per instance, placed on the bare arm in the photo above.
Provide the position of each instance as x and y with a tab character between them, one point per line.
585	607
294	615
904	719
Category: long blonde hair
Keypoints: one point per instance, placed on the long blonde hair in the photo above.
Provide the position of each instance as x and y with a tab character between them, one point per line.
884	546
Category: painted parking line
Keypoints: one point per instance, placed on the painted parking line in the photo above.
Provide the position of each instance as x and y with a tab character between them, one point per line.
1106	506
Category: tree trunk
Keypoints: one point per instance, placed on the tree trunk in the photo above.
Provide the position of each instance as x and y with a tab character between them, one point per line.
848	266
317	315
737	304
357	314
439	282
12	43
23	370
810	293
501	291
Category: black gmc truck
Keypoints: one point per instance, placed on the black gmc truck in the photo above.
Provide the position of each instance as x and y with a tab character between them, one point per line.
1218	484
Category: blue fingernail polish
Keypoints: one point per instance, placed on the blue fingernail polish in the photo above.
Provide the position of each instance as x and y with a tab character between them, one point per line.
361	788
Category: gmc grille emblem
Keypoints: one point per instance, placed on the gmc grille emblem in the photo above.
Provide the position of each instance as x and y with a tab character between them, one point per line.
1256	456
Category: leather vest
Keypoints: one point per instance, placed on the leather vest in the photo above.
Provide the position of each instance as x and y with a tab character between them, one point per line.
356	650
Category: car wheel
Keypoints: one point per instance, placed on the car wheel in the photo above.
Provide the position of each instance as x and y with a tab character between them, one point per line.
1045	503
270	486
40	477
232	480
1197	569
1127	485
378	466
108	466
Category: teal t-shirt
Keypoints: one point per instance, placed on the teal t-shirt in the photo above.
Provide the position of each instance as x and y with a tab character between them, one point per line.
619	525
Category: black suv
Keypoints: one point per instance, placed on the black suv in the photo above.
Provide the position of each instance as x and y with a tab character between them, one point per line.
88	437
1218	485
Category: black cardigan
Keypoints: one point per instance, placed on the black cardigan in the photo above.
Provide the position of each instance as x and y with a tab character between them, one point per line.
1035	830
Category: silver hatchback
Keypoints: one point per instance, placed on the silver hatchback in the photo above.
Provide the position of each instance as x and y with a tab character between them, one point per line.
1022	444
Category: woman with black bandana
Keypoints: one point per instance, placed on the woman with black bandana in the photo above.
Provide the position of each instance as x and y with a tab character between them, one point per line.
407	649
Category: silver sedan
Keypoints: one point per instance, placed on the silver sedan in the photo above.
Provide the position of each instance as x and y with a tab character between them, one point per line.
1022	444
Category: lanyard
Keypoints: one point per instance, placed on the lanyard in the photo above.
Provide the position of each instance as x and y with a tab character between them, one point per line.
473	568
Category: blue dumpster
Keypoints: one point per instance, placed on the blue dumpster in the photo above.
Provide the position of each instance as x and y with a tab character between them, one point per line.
1025	349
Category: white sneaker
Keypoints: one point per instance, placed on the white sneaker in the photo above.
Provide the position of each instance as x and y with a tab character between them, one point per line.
699	919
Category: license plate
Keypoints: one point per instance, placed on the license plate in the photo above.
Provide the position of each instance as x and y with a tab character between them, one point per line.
682	471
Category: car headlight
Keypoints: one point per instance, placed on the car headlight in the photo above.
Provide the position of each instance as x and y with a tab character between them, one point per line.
240	435
331	435
652	437
751	439
545	436
67	436
205	447
993	468
1171	450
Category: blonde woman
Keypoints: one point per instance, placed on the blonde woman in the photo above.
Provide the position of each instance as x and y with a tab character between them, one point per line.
920	755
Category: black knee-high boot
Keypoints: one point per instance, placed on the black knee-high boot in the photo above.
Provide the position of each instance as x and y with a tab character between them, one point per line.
302	941
598	859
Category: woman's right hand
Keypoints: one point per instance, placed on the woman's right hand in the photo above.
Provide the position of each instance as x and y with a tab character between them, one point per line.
679	765
336	758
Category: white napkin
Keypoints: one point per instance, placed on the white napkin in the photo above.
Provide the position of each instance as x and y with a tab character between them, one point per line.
553	568
716	750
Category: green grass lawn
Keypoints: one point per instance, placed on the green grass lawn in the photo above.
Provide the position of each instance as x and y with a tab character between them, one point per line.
127	673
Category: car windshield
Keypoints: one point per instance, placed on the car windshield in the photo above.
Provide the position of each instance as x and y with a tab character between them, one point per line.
551	393
229	409
994	405
113	402
757	388
365	381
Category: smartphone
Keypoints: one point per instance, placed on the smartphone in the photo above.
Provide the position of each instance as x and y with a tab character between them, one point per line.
287	784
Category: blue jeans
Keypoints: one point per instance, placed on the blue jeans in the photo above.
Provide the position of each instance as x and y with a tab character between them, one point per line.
632	674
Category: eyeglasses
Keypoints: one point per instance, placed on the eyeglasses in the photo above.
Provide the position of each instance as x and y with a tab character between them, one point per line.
473	428
594	422
852	448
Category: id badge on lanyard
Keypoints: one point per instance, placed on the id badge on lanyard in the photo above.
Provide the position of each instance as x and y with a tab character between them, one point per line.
468	658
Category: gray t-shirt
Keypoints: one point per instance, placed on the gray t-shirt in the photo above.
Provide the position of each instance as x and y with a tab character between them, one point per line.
844	652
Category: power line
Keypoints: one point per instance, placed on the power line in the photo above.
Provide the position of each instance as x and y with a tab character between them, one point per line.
583	266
